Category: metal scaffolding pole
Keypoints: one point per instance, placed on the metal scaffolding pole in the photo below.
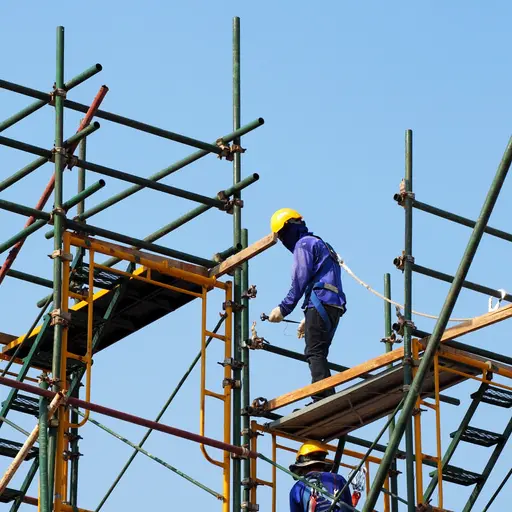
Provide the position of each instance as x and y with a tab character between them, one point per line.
409	442
440	326
237	288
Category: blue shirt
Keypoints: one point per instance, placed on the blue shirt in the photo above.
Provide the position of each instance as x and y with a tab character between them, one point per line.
300	494
313	263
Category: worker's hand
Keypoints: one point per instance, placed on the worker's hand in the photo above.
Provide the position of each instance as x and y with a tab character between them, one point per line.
276	315
301	329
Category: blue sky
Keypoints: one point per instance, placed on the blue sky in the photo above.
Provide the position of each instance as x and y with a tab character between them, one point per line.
338	83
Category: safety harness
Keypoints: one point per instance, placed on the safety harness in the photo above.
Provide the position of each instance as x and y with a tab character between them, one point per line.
311	293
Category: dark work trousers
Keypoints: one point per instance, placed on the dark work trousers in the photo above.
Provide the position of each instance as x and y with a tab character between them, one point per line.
318	340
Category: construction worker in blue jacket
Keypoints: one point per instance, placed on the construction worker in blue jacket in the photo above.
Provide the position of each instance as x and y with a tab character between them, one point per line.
316	275
311	465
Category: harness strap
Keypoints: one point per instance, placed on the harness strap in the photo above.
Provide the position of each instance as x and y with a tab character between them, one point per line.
317	303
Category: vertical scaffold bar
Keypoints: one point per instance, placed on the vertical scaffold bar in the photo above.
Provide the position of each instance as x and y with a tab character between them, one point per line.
435	339
409	444
388	329
246	395
237	291
58	228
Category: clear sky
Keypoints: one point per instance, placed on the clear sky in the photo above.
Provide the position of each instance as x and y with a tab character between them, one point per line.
338	83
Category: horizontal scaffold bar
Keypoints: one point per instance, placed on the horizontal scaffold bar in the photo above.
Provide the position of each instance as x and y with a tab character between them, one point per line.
34	107
93	230
460	220
114	173
447	278
115	118
130	418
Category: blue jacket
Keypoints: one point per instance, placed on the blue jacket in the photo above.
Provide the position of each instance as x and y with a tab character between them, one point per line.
312	263
300	494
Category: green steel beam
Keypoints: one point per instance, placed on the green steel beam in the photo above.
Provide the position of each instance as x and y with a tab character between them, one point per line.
237	287
38	162
29	278
460	220
466	284
440	326
168	170
102	114
30	109
409	442
81	176
93	230
38	224
58	226
388	331
113	173
192	214
245	372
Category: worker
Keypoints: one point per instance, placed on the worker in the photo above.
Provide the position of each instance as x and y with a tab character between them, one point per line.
316	274
311	465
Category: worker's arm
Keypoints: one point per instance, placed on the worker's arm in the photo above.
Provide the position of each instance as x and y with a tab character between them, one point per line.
296	497
302	273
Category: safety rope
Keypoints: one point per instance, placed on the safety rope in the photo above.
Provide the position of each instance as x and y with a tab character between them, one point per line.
345	267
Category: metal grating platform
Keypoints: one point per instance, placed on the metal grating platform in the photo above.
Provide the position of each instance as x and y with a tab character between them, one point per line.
479	437
9	495
497	396
459	476
141	304
360	404
25	404
11	449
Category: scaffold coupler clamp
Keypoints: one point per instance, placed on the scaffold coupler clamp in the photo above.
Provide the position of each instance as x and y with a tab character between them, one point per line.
250	433
228	151
60	317
232	363
235	306
57	92
259	406
391	339
59	253
399	261
232	383
229	204
495	307
56	211
251	507
255	342
403	194
250	293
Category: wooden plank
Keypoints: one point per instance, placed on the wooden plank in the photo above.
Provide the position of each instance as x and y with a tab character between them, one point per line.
479	322
465	357
5	338
456	331
335	380
245	254
111	249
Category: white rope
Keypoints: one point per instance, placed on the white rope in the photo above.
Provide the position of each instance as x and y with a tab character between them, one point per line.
375	292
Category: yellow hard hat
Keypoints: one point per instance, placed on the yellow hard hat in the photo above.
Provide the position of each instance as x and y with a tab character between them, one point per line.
311	453
311	447
281	217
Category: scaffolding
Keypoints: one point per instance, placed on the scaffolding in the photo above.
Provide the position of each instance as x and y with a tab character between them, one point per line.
95	304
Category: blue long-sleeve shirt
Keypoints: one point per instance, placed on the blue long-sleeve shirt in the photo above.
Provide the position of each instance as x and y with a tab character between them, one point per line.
300	494
312	263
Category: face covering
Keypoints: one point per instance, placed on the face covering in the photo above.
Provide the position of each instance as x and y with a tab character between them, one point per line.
291	234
